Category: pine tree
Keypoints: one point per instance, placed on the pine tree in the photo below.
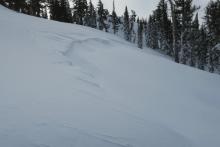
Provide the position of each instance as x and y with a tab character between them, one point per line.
115	21
152	41
126	25
102	17
194	41
164	28
19	5
90	18
2	2
65	11
55	13
9	4
212	15
212	18
202	52
140	34
132	29
174	30
44	13
214	58
146	33
44	9
80	9
185	12
35	7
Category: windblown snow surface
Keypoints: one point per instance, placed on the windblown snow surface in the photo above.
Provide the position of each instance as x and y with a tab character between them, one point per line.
63	85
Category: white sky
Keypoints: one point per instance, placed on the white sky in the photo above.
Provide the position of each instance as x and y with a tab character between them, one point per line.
142	7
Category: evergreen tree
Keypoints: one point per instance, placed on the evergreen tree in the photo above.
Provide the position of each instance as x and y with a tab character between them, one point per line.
152	41
126	25
44	13
140	34
146	34
65	11
102	17
19	5
2	2
54	6
80	9
194	41
115	21
214	58
174	30
132	29
184	12
202	51
164	28
44	9
35	7
212	19
90	18
10	4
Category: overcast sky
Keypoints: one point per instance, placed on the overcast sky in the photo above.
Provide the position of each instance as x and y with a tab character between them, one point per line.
142	7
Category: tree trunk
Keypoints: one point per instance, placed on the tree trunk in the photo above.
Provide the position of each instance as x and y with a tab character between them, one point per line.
175	49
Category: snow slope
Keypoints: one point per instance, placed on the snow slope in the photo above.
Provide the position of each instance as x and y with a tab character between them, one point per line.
63	85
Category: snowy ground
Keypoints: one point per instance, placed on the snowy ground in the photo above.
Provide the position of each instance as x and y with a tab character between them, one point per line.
63	85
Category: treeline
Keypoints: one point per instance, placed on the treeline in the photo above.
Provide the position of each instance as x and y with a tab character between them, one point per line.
178	33
172	29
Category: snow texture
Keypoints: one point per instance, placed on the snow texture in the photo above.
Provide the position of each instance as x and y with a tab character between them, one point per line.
63	85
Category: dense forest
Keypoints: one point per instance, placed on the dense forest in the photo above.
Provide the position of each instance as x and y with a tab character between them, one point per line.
173	28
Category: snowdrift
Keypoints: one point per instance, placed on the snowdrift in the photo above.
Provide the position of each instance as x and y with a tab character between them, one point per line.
63	85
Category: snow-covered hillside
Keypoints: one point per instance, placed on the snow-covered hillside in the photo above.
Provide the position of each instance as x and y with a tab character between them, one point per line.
63	85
